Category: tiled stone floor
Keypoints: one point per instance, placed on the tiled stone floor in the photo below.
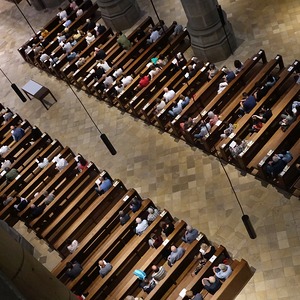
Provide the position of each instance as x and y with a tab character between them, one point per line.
192	185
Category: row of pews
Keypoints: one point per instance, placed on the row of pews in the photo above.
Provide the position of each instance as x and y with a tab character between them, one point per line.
78	212
141	103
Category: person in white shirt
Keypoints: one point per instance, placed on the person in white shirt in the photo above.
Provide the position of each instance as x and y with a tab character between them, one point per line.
126	80
89	38
28	49
108	81
72	246
44	57
168	94
61	37
79	12
154	36
60	163
102	63
141	226
160	105
154	71
67	47
4	149
62	13
42	162
119	87
5	163
117	72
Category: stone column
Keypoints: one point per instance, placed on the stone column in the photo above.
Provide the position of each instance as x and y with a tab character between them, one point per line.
119	14
27	276
211	40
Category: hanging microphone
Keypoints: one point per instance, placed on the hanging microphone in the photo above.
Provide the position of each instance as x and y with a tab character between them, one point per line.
249	226
108	144
18	92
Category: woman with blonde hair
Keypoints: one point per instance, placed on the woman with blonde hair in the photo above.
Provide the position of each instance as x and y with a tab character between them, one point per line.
205	253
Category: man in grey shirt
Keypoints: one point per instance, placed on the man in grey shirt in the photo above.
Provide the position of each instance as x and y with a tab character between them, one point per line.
176	254
105	268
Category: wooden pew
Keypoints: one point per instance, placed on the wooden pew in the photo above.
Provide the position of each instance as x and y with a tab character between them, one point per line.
162	119
79	204
62	199
100	232
194	283
129	284
31	169
92	215
290	174
113	243
233	285
122	261
267	130
5	128
55	184
269	100
230	113
221	100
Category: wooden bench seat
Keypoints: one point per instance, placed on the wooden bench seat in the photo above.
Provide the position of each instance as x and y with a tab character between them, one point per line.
5	128
111	244
122	261
230	113
66	196
100	232
221	100
282	85
89	218
129	283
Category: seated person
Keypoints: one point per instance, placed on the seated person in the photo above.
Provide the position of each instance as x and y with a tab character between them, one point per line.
154	36
203	130
257	124
100	28
144	81
42	162
99	53
117	72
103	64
176	109
153	213
154	70
229	75
82	164
124	218
73	270
11	174
36	211
261	91
123	41
17	133
229	128
126	80
222	86
158	272
155	240
141	226
264	114
5	163
211	284
187	122
190	234
271	80
247	103
160	104
20	203
4	199
135	205
285	156
72	246
275	166
168	94
177	29
237	146
176	254
139	33
60	162
191	295
167	227
147	285
104	268
222	271
238	66
89	38
103	185
213	118
288	118
205	253
212	71
49	197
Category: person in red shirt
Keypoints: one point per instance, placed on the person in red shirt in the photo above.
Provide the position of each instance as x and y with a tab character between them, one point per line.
82	164
144	81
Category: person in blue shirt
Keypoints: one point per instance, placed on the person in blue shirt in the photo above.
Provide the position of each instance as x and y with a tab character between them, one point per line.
17	133
104	185
229	75
247	103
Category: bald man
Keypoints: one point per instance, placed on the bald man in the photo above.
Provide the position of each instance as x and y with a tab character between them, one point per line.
176	254
105	268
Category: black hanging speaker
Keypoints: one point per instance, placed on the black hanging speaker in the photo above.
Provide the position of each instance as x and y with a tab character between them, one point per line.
18	92
249	226
108	144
